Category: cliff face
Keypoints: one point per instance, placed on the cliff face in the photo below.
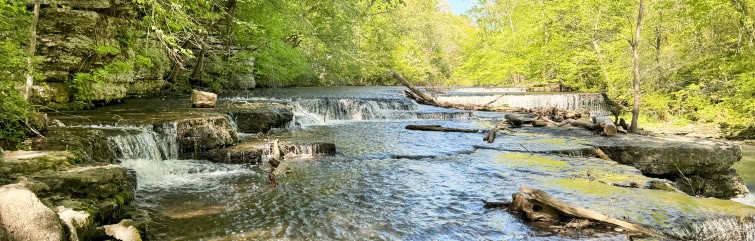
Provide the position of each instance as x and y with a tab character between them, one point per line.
97	51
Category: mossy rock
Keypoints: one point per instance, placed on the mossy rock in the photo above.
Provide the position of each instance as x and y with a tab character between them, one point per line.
20	163
255	120
89	144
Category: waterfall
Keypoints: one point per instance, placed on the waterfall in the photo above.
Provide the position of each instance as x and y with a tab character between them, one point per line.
166	135
324	110
156	142
489	90
569	101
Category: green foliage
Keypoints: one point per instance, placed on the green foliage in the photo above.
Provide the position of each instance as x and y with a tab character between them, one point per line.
83	84
14	110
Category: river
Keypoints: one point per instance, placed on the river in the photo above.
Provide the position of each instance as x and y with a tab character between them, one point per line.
388	183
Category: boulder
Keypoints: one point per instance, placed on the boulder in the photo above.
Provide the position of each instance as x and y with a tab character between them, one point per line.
201	99
24	217
92	182
723	185
249	152
125	230
255	120
103	192
75	222
196	135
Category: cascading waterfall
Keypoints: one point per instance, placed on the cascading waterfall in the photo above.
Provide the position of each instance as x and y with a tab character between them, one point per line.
489	90
323	110
568	101
156	143
142	145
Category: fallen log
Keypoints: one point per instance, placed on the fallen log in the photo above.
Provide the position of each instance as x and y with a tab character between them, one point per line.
424	97
490	136
279	166
517	120
439	128
584	124
623	124
602	155
607	125
539	123
528	195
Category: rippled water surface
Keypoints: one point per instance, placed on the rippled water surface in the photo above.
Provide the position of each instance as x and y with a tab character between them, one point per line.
388	183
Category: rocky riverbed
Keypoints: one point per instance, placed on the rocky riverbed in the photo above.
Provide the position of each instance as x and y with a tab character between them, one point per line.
163	167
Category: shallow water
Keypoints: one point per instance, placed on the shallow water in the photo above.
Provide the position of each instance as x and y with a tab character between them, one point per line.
388	183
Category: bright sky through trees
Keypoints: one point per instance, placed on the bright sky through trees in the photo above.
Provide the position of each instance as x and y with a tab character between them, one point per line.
460	6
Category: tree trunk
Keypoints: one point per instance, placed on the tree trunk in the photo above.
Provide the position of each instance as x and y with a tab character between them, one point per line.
32	50
230	8
425	97
605	122
439	128
580	212
637	81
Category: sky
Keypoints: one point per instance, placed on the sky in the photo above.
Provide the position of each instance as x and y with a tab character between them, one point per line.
460	6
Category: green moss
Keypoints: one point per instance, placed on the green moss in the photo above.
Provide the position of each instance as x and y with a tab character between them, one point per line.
610	177
529	160
659	198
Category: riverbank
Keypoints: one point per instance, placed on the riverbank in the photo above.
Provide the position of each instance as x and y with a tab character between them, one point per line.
355	170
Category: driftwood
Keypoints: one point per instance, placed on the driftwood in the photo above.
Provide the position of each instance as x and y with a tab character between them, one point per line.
623	124
539	123
516	120
587	125
492	133
606	124
555	114
602	155
439	128
539	206
279	166
419	94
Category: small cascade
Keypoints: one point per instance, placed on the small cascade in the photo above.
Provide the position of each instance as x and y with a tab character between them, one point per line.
323	110
166	135
156	142
140	145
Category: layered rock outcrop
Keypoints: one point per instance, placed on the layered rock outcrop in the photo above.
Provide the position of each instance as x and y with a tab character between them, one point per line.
80	37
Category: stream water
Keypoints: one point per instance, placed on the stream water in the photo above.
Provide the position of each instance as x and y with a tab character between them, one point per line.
386	183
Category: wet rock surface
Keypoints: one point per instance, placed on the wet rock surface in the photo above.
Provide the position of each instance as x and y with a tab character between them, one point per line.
202	134
705	163
255	120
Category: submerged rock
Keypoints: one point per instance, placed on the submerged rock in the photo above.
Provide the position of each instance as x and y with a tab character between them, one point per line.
123	231
23	216
201	99
249	152
307	149
253	151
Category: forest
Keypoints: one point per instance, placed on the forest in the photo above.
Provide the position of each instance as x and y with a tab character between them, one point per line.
693	60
